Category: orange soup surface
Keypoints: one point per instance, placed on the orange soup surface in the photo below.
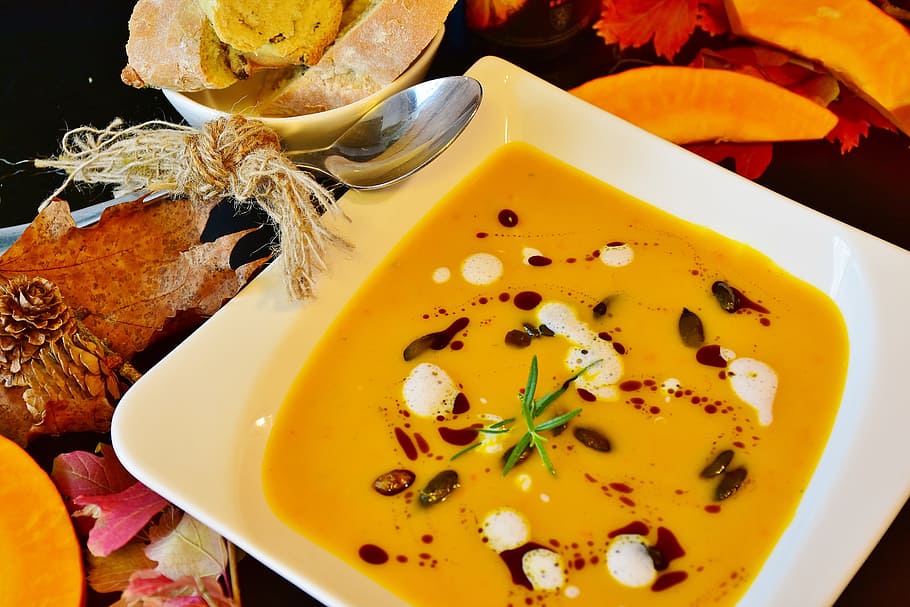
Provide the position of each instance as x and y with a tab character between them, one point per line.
709	382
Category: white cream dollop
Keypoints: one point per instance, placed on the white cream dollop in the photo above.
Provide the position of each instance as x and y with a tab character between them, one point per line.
616	255
628	561
755	383
429	391
481	269
544	569
601	380
505	529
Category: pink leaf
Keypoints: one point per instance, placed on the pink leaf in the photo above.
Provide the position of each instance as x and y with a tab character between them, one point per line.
119	516
151	589
81	473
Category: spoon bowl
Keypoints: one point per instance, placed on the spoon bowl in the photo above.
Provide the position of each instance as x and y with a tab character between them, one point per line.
398	136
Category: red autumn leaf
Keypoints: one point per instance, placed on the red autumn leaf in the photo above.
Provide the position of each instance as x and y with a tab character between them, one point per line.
855	117
139	267
777	66
83	473
118	516
149	588
667	23
750	160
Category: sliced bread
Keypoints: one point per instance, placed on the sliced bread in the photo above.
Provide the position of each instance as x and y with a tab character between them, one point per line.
172	45
380	39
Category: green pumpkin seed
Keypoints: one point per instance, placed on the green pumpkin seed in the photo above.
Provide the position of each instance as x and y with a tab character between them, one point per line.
690	329
439	488
717	467
730	483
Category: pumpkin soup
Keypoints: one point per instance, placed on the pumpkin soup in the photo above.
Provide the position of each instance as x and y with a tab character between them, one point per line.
551	393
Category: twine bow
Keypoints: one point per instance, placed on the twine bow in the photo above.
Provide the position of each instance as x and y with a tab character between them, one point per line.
233	157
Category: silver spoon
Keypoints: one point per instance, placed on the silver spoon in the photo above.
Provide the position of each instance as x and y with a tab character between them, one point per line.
399	136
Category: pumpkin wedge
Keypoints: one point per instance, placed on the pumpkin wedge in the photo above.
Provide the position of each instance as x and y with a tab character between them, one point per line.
694	105
859	43
40	557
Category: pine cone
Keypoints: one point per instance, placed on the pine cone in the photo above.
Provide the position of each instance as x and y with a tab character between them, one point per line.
32	314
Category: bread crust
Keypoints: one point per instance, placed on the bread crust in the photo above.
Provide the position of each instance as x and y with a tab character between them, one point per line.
172	45
377	46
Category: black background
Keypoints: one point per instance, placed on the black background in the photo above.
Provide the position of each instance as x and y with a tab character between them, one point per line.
60	65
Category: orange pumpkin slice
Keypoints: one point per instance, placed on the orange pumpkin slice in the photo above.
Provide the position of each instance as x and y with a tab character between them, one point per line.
861	44
40	558
692	105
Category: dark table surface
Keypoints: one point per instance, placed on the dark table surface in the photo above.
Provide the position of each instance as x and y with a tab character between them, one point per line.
60	69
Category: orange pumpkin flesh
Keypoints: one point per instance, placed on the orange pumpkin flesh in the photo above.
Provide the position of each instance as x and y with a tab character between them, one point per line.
40	558
691	105
862	45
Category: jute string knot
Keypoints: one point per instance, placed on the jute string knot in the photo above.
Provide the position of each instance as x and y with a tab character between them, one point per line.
233	157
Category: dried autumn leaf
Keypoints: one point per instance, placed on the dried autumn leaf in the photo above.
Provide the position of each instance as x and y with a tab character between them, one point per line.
190	549
139	266
118	516
750	160
82	473
667	23
112	573
148	588
855	118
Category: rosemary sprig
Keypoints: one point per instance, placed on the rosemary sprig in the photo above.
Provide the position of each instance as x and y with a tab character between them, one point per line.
531	409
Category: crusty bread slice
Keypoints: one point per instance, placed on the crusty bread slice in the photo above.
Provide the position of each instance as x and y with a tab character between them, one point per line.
380	40
172	45
275	33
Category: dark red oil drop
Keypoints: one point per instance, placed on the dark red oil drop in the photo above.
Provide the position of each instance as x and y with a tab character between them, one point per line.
539	261
422	443
512	558
668	545
669	580
633	528
458	436
630	385
527	300
461	404
585	395
621	487
508	218
373	554
711	356
406	444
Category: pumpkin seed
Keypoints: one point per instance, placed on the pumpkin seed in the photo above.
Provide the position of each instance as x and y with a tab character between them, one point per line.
601	308
521	458
530	329
439	488
546	331
657	558
690	329
592	439
394	482
518	338
726	296
717	467
730	484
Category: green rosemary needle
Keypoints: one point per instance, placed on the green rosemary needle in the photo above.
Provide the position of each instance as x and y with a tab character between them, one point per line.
531	409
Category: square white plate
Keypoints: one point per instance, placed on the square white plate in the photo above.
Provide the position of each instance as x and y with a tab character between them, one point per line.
195	427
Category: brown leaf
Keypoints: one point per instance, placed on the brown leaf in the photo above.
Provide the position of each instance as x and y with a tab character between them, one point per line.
15	420
139	266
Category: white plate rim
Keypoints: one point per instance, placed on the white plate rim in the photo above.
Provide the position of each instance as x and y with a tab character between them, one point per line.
194	427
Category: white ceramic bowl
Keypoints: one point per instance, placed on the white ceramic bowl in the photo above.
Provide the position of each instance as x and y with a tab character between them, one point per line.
194	428
308	131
